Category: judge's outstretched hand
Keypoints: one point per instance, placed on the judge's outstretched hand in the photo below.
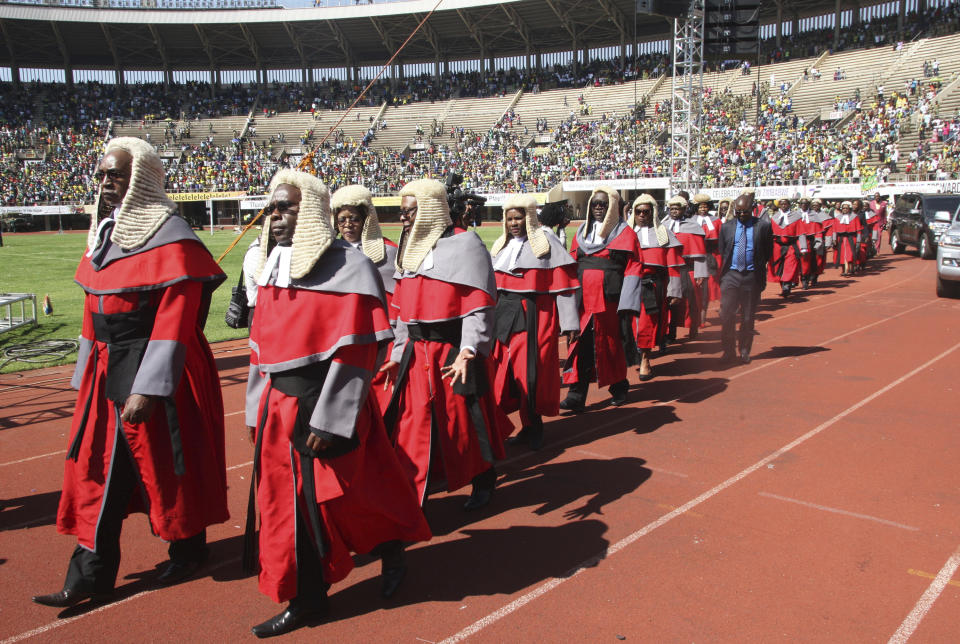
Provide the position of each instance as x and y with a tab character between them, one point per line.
316	443
458	369
137	408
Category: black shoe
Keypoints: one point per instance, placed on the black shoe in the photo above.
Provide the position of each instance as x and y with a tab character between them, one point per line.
573	405
297	614
393	568
68	597
180	570
643	377
520	438
745	357
619	399
534	436
483	485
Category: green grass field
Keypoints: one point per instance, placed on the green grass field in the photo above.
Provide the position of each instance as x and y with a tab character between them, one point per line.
45	264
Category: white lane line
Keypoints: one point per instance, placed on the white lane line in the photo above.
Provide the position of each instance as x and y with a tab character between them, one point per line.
33	458
637	411
499	614
235	413
40	630
826	508
926	600
236	467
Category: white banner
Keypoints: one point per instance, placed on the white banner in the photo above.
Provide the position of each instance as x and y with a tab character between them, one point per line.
640	183
254	203
41	210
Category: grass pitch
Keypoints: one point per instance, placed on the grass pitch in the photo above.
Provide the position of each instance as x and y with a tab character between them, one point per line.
44	263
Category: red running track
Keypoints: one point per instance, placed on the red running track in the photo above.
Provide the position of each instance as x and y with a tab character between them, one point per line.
811	495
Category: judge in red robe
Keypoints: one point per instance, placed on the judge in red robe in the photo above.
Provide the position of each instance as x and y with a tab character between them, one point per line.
784	267
326	478
876	220
809	232
536	301
685	310
847	229
609	268
443	416
661	252
355	218
147	432
824	238
711	234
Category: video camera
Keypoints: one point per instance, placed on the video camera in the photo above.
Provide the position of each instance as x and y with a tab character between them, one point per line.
457	199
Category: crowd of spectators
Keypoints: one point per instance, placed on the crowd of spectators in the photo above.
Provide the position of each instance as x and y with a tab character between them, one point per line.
49	140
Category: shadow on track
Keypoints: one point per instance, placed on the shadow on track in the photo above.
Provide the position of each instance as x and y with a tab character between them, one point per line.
29	511
547	488
482	562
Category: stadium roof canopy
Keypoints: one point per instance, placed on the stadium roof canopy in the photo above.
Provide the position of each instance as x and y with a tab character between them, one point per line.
35	36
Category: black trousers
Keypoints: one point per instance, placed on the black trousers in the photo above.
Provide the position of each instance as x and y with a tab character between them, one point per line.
587	361
96	570
739	291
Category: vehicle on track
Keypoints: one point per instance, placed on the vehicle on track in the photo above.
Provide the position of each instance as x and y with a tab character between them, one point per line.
918	220
948	259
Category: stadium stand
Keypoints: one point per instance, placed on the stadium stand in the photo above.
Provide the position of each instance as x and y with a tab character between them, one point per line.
873	107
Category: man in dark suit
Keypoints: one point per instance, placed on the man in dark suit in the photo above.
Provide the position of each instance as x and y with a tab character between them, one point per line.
746	244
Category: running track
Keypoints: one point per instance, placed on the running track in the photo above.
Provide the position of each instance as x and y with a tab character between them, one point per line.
812	495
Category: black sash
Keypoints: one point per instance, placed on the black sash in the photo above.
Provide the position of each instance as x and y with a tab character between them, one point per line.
127	336
511	318
780	262
472	390
613	268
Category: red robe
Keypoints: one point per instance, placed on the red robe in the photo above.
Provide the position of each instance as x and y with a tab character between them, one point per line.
809	231
363	496
847	237
425	399
827	237
649	326
379	383
687	311
784	266
539	288
711	238
170	285
602	311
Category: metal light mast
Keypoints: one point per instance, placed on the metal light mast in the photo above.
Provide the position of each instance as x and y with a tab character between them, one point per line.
686	102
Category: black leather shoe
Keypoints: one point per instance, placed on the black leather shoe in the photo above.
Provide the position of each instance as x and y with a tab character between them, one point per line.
180	570
297	614
483	485
520	438
745	357
619	399
572	405
68	597
390	580
643	377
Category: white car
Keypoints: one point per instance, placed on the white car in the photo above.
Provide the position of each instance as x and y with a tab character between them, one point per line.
948	257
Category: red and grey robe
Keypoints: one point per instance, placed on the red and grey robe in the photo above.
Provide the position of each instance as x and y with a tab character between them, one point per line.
784	265
318	344
876	220
657	285
536	301
686	311
386	268
444	431
143	318
610	282
827	237
846	231
711	239
809	232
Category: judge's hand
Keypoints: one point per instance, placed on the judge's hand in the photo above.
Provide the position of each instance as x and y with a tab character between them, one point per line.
672	300
572	336
252	434
700	281
316	443
390	369
137	408
458	370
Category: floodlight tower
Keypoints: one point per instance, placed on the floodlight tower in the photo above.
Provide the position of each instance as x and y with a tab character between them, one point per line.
686	102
